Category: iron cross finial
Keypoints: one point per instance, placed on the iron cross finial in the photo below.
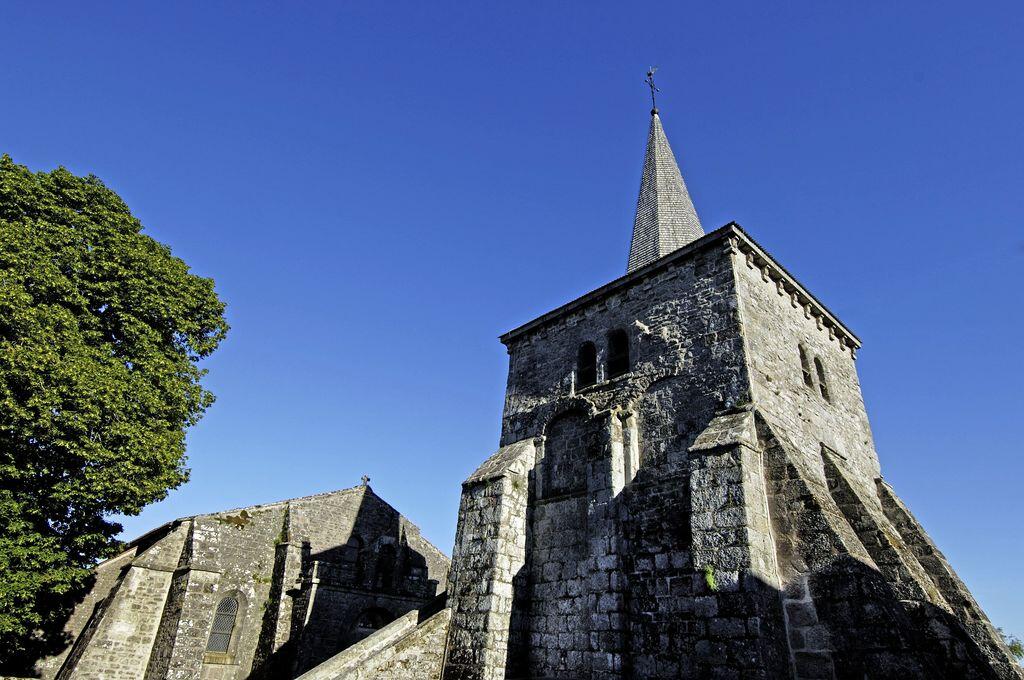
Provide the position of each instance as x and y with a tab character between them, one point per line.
654	88
366	480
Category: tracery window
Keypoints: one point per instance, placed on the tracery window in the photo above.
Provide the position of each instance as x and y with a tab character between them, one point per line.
223	625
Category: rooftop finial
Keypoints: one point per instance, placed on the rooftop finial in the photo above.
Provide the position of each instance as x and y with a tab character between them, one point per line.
654	88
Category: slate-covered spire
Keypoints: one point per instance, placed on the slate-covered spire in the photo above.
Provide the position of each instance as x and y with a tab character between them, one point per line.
665	217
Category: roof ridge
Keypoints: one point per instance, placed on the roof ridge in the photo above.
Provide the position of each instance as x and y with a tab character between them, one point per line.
272	504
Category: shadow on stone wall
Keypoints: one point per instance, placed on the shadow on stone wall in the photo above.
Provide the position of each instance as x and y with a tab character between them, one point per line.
613	592
871	632
863	630
52	639
349	589
79	610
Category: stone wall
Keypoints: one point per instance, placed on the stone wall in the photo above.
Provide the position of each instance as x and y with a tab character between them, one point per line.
396	572
407	649
121	642
554	621
488	562
682	323
329	626
609	570
232	555
309	577
866	604
990	643
776	321
737	623
82	624
857	601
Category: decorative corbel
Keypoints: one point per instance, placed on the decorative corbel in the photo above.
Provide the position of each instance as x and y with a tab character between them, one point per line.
732	245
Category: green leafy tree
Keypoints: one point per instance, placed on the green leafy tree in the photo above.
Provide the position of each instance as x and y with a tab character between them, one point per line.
101	333
1014	644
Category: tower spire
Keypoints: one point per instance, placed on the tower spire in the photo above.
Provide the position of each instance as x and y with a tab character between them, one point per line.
665	217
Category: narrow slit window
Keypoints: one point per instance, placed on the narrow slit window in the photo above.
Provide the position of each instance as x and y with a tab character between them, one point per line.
805	367
618	353
223	625
586	365
822	383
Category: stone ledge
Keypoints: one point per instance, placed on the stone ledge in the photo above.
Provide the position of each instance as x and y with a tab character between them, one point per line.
786	285
400	636
727	429
502	461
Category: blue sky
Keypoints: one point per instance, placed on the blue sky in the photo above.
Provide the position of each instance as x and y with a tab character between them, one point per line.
380	189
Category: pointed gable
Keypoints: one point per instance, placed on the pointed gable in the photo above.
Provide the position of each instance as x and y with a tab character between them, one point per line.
665	217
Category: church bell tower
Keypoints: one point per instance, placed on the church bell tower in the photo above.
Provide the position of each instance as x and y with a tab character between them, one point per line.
687	486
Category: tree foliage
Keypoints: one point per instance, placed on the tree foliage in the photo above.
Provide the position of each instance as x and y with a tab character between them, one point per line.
101	333
1014	644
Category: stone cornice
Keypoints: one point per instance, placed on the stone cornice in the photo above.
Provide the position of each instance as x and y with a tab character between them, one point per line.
787	285
738	242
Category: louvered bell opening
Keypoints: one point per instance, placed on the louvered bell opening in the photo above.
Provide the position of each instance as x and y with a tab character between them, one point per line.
223	625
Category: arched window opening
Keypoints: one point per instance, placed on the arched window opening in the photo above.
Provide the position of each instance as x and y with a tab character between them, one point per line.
822	383
223	625
618	353
805	366
571	438
586	365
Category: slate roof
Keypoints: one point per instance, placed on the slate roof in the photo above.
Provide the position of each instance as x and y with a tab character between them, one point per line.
665	217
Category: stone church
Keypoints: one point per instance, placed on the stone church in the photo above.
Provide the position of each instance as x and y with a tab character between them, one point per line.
686	487
267	591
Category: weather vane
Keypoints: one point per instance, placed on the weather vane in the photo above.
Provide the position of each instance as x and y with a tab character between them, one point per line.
654	88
